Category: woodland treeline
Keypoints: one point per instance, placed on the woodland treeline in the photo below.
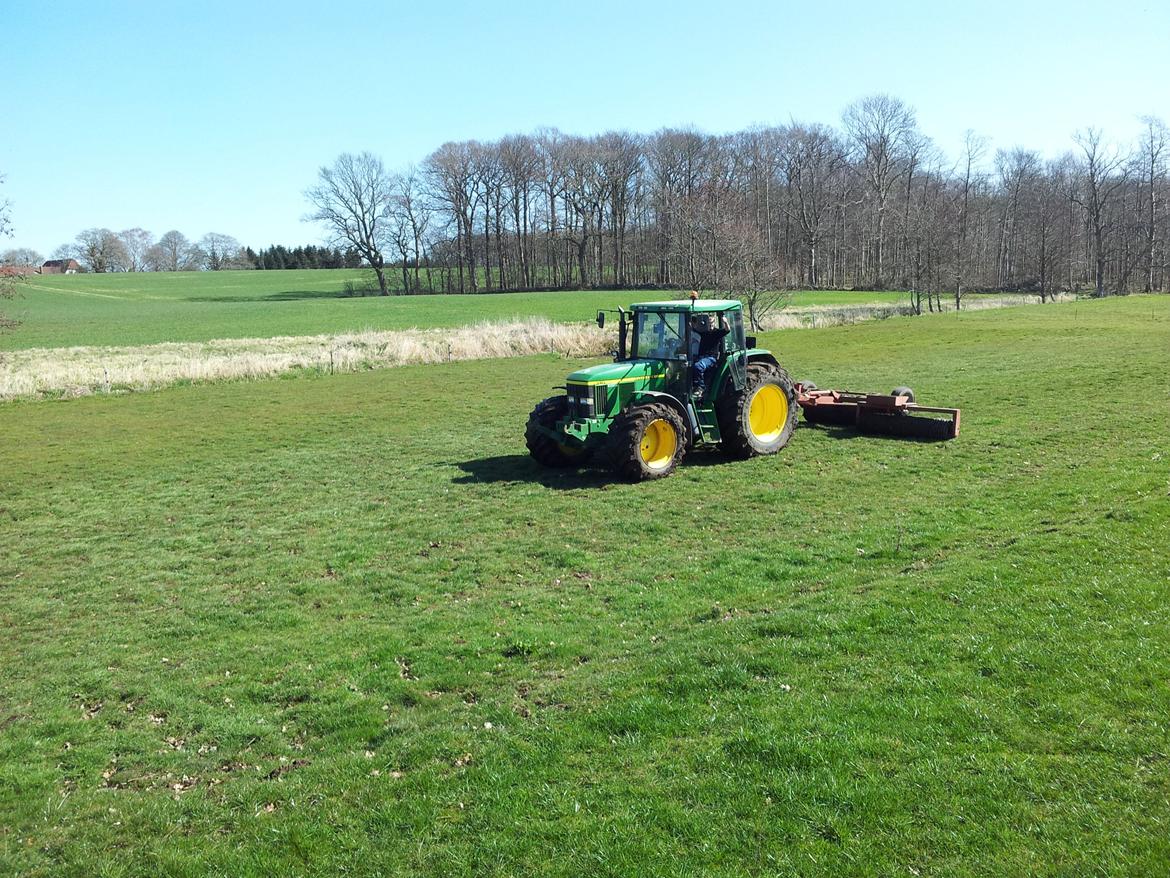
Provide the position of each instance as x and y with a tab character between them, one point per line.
278	257
102	251
868	204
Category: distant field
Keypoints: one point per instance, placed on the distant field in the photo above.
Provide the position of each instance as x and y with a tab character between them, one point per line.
343	625
132	309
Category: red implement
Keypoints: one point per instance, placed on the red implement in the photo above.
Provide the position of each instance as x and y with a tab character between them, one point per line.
893	414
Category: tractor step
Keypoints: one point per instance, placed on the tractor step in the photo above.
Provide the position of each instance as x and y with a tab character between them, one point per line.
708	424
892	414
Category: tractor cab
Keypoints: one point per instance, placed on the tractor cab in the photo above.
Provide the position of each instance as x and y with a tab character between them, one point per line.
669	332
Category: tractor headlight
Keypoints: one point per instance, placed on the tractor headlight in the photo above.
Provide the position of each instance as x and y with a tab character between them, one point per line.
580	401
588	402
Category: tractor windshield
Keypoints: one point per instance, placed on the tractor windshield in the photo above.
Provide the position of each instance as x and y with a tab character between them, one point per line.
659	335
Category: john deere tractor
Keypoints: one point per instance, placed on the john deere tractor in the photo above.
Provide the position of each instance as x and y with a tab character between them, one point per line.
641	413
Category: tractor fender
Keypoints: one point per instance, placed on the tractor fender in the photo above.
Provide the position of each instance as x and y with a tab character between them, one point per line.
642	397
761	356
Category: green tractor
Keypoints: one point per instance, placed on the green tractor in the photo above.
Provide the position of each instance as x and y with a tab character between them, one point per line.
642	412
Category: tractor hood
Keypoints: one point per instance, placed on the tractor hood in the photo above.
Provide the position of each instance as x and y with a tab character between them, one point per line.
619	373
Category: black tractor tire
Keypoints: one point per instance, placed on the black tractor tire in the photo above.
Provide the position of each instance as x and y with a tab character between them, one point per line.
544	448
647	442
767	385
903	391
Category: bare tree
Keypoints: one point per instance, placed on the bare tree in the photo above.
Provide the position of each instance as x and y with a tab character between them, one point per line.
350	199
135	243
1018	171
813	156
485	161
1045	207
405	226
408	221
22	256
173	252
929	228
584	197
1104	171
5	215
453	171
550	146
974	147
7	281
1155	145
620	157
749	271
881	127
220	252
678	162
100	251
738	263
520	165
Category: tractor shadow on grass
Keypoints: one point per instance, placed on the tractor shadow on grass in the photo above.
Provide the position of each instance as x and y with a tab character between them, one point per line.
505	468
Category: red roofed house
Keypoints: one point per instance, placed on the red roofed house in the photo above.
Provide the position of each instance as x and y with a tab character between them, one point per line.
61	266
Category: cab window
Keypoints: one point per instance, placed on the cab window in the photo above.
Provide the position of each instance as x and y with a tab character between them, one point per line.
658	335
735	341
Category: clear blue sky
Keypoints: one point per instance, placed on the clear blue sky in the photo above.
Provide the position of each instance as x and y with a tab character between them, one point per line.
214	116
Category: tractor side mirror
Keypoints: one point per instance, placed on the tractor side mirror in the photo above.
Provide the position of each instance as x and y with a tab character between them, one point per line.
751	342
601	320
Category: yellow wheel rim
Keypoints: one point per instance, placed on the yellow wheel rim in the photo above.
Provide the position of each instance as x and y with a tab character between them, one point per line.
659	444
768	413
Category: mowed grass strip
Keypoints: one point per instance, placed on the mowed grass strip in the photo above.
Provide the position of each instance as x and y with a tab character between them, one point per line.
150	308
344	624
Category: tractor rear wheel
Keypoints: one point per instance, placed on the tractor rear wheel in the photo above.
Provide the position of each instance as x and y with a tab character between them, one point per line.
543	447
647	442
760	418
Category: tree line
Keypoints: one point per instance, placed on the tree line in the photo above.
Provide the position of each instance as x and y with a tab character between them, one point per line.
101	250
279	257
870	203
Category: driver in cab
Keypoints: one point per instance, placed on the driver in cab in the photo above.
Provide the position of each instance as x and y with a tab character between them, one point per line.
709	338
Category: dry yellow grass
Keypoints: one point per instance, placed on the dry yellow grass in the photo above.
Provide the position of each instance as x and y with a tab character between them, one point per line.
817	316
78	371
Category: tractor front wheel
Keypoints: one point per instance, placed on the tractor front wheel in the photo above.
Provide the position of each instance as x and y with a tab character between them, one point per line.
647	442
543	447
760	418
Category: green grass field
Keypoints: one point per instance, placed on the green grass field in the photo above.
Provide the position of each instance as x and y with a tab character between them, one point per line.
344	625
133	309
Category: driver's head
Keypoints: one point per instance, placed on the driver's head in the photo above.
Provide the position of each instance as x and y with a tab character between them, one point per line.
701	321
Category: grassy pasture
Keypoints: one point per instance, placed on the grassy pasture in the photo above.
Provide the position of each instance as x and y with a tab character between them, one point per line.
134	309
343	625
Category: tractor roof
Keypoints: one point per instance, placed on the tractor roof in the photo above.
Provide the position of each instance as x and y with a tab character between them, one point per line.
688	305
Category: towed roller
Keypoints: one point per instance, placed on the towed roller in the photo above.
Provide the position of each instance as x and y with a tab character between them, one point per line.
892	414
